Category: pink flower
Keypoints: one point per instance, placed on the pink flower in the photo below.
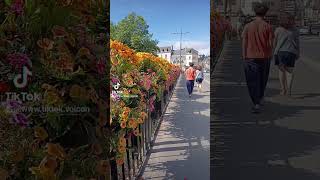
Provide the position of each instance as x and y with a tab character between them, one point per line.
17	7
101	66
151	103
20	119
146	82
18	60
114	80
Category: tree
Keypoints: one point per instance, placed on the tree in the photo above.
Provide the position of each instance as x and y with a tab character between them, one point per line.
133	31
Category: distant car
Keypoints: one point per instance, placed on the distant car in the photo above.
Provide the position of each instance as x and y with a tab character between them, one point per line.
304	30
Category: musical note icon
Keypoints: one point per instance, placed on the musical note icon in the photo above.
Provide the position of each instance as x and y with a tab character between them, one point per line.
24	76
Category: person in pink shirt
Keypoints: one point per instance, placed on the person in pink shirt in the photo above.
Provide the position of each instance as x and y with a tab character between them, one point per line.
257	40
190	74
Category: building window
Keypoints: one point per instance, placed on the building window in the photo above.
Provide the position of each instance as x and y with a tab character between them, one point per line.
189	57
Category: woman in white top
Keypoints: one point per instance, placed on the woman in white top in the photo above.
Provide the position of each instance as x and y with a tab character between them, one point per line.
286	51
199	78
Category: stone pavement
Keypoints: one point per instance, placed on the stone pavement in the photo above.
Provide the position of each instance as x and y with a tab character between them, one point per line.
181	149
283	142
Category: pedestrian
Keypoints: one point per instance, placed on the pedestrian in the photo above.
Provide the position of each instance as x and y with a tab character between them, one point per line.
286	51
228	28
190	74
257	41
239	28
199	78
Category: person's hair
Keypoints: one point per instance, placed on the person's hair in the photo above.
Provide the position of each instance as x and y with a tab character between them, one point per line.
286	20
261	9
199	68
191	64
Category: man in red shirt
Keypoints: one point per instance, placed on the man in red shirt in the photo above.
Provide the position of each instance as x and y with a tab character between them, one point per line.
190	74
257	40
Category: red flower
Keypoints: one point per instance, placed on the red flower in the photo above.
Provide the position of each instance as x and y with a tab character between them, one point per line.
4	87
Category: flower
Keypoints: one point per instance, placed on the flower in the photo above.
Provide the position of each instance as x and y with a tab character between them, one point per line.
101	66
18	60
84	52
17	7
59	31
103	167
151	103
115	96
140	120
4	87
20	119
45	44
48	166
136	132
4	173
102	120
97	149
122	141
41	133
143	115
18	155
120	161
123	124
132	123
56	150
121	148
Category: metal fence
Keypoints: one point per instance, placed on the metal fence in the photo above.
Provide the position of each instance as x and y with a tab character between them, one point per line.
138	147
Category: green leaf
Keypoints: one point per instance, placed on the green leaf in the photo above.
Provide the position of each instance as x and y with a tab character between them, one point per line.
8	2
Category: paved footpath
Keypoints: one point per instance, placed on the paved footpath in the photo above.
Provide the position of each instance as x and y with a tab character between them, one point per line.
181	150
283	142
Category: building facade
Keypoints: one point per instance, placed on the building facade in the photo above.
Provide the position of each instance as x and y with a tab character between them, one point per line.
188	55
165	52
173	56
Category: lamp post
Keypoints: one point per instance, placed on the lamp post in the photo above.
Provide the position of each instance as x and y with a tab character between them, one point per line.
181	33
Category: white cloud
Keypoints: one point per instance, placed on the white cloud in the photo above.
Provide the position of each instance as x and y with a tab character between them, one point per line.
202	46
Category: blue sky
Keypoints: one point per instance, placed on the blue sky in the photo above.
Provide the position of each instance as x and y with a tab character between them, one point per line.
165	17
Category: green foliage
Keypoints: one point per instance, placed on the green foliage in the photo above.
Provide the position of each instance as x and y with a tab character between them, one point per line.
133	31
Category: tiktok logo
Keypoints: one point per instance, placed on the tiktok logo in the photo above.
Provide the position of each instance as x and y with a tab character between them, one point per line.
21	80
117	86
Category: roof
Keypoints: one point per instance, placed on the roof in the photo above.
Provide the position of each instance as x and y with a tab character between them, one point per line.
164	49
185	51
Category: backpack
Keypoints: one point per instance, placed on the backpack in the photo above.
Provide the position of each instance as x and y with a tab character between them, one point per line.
200	75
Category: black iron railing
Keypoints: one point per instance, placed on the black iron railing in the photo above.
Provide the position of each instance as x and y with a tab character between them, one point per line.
138	147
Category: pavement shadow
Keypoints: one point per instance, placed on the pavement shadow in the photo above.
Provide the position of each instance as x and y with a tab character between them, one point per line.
183	139
243	146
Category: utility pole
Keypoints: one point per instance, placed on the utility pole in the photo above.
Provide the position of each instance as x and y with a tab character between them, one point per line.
181	33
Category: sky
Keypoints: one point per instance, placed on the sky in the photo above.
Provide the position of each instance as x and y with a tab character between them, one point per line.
165	17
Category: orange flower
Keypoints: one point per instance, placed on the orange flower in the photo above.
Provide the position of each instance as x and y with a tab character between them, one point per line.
120	161
48	166
102	120
123	124
18	155
65	3
103	167
136	132
122	141
4	173
84	52
97	149
59	31
143	115
45	44
140	120
71	40
56	150
132	124
122	149
41	133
